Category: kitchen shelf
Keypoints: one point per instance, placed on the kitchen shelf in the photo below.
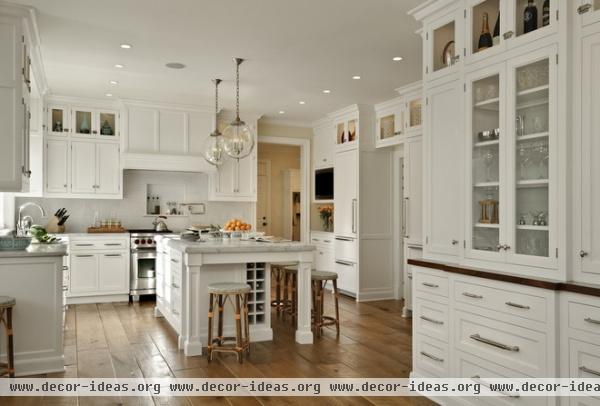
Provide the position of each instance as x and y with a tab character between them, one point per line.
486	225
483	144
535	136
532	183
487	184
489	104
532	228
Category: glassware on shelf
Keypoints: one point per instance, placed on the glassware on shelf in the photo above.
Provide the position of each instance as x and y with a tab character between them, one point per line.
492	92
489	209
542	156
488	160
479	94
538	124
520	125
522	219
524	162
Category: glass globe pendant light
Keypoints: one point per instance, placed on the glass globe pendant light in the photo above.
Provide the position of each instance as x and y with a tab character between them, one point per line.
214	152
238	137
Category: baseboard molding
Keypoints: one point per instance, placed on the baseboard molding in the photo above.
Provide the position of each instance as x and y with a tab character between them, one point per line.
41	365
372	295
97	299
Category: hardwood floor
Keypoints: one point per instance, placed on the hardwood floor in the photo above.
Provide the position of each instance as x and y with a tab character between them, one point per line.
121	340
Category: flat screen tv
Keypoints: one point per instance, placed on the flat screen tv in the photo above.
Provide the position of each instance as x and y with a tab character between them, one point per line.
324	184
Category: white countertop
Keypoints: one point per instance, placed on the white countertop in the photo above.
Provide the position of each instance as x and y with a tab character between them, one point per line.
192	247
37	250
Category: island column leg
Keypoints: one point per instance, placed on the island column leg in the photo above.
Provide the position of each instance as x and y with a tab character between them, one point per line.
304	334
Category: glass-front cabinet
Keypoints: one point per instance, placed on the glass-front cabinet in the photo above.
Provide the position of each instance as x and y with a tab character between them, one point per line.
495	25
444	44
390	119
346	133
107	123
511	129
413	114
58	120
82	121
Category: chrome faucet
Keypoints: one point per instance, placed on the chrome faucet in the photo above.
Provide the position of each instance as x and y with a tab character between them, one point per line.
24	223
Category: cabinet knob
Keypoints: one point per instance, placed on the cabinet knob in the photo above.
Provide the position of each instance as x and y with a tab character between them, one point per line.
506	247
508	34
65	185
583	254
65	130
499	247
454	242
584	8
94	132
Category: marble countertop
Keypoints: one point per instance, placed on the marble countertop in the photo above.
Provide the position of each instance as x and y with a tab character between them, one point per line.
194	247
37	250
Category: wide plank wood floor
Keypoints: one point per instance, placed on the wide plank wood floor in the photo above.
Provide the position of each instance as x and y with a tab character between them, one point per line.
122	340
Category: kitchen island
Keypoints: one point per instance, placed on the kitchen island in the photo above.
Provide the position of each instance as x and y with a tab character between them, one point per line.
34	277
184	270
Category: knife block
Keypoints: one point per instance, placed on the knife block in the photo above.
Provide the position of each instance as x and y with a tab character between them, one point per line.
53	228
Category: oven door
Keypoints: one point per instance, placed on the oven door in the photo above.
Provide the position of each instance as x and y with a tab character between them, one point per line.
143	272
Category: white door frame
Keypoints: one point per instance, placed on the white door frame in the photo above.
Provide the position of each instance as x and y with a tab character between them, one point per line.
304	145
268	203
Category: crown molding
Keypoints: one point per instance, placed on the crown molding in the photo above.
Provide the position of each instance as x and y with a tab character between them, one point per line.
168	106
285	123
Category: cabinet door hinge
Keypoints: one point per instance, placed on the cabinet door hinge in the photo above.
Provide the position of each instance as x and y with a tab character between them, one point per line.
464	51
556	252
465	244
23	39
464	87
427	36
465	13
557	59
427	101
427	69
556	15
427	240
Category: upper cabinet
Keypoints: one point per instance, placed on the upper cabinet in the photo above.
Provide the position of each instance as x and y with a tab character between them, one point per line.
399	118
323	145
346	134
443	43
84	122
163	137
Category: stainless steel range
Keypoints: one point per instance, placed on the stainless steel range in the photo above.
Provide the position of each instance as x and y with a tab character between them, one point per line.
143	262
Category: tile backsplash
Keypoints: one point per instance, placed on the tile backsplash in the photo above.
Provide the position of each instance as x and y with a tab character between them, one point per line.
132	209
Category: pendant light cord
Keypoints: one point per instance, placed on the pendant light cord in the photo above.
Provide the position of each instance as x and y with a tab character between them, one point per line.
237	87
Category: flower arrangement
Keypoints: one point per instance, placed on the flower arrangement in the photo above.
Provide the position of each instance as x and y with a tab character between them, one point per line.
326	214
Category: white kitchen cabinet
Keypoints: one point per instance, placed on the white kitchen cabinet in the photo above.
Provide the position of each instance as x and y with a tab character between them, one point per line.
413	190
586	249
235	180
346	193
113	275
14	96
324	252
443	43
413	107
95	168
347	276
67	117
59	119
443	185
83	167
323	145
108	169
390	122
83	273
57	166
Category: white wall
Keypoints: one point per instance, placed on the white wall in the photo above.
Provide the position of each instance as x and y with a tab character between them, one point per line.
131	210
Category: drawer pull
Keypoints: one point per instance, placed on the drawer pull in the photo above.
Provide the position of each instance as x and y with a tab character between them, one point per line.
431	320
433	357
113	244
472	295
593	321
84	256
344	239
477	379
340	262
112	255
175	312
588	371
430	285
174	261
84	245
518	306
174	285
493	343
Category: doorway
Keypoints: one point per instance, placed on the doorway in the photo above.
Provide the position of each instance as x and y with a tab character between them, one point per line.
281	208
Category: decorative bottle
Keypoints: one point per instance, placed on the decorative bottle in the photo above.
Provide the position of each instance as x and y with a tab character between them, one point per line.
546	13
496	35
530	17
485	39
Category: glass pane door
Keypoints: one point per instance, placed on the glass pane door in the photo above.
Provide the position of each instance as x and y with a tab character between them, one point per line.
107	123
531	15
387	127
82	122
414	113
486	163
58	122
532	159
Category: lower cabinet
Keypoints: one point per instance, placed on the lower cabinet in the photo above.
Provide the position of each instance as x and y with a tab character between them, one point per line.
347	276
169	282
324	250
98	269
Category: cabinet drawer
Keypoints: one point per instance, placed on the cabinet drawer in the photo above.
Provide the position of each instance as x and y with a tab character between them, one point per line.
584	359
509	345
427	282
480	371
584	316
176	302
503	300
430	356
431	319
346	276
346	248
85	245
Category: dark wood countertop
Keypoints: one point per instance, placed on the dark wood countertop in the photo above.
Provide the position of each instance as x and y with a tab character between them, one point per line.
576	287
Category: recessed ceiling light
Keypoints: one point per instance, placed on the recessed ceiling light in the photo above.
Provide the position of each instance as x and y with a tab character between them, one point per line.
109	95
326	91
175	65
119	66
113	82
126	46
397	58
356	77
281	112
302	102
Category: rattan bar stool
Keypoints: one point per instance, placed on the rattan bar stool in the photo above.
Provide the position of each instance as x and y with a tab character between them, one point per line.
290	292
6	307
277	271
319	280
237	294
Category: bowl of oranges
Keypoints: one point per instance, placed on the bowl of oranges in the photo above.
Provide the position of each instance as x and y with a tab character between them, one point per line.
234	229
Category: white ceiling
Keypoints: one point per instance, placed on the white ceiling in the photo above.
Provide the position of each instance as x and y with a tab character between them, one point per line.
294	50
